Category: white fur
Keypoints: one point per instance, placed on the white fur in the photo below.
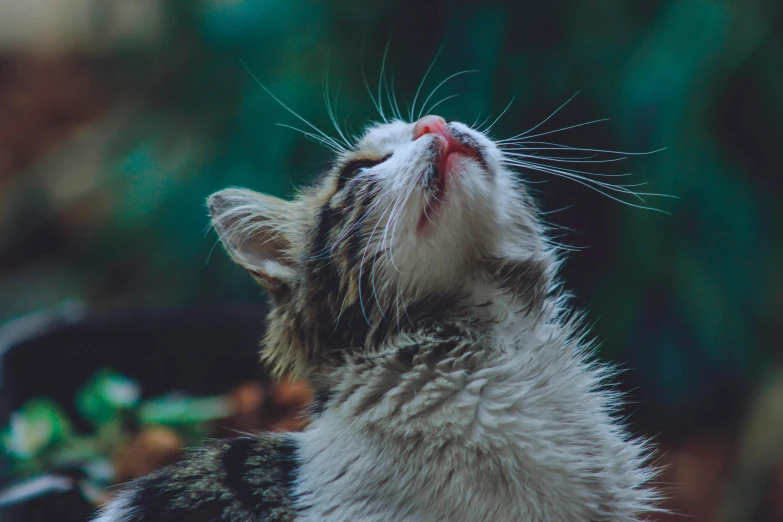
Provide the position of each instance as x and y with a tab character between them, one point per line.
524	433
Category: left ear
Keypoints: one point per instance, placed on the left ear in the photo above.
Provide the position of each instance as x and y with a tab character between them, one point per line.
252	228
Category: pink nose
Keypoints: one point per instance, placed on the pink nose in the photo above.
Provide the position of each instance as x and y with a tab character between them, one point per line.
430	125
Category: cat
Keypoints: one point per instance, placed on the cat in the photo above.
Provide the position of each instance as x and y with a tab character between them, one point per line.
416	286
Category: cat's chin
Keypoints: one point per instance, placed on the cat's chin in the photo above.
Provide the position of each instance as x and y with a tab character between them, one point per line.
453	167
453	160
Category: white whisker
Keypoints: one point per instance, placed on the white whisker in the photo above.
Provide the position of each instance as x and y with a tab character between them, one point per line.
571	160
395	223
361	263
585	176
290	110
595	185
381	80
447	98
330	111
484	122
488	129
473	125
547	118
558	146
330	143
379	249
441	84
392	99
367	83
515	138
421	84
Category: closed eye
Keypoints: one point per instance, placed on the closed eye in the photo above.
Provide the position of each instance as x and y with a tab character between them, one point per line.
356	167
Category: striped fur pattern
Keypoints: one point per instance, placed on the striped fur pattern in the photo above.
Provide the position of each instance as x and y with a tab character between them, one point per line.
243	479
453	382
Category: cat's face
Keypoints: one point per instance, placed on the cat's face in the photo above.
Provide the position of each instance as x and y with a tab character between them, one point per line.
423	199
406	221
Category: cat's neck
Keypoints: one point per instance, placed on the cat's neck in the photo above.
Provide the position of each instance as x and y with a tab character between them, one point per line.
424	368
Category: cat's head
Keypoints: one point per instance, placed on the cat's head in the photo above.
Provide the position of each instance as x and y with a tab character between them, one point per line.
408	223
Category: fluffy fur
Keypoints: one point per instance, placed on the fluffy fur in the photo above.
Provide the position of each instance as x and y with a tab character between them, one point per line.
453	382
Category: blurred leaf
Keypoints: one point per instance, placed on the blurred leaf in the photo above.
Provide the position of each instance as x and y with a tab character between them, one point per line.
106	395
36	426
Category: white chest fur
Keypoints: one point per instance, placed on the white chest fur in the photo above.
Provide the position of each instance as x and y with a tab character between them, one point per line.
519	431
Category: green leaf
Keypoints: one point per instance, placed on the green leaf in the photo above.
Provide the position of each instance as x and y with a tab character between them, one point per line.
35	427
106	395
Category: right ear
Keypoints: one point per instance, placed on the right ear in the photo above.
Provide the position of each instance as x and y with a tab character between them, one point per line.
252	228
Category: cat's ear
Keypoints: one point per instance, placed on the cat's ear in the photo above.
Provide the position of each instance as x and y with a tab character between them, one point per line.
252	227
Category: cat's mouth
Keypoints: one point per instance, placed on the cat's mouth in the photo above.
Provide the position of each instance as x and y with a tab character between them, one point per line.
449	155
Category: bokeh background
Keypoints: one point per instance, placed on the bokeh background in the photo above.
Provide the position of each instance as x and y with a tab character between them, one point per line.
118	118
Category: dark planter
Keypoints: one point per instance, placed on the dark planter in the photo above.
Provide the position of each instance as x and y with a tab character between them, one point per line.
202	351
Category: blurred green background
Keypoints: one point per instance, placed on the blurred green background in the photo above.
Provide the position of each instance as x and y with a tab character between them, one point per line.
118	119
